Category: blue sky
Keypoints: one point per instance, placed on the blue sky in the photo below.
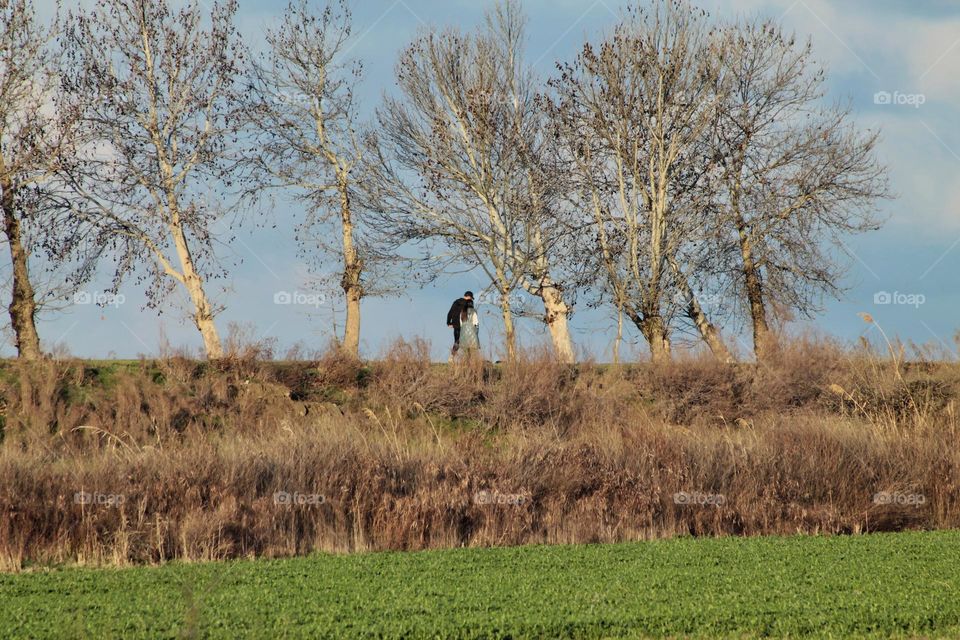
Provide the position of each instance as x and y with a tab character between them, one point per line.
909	50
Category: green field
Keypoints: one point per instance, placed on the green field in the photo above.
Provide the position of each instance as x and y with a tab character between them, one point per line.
905	585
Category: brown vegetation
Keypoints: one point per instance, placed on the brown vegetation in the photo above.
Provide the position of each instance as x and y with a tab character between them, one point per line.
402	453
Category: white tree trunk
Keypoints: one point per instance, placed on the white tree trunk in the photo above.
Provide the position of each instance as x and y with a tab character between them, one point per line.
510	335
556	318
202	309
619	339
352	268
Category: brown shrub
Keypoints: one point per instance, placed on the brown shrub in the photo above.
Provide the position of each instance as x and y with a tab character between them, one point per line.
407	454
405	380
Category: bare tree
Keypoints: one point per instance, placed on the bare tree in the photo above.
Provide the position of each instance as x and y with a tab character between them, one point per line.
795	176
24	70
459	161
157	92
633	114
304	116
37	139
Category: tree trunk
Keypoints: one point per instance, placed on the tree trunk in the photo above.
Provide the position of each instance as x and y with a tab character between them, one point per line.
708	332
556	318
23	306
654	330
659	342
203	311
554	306
351	332
352	270
619	338
510	335
763	340
204	314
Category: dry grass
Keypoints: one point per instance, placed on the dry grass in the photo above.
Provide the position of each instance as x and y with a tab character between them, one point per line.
406	454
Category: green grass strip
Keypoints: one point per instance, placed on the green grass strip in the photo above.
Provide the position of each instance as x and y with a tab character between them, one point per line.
882	585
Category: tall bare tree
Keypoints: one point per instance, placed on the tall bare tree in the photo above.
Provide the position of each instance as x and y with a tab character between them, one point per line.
459	158
24	76
37	139
796	176
157	88
634	113
304	117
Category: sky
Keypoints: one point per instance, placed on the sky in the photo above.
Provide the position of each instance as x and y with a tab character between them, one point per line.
895	62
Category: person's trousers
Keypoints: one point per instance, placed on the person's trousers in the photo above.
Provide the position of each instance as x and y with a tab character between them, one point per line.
456	339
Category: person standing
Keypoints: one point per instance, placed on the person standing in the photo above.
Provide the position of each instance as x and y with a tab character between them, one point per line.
454	318
470	330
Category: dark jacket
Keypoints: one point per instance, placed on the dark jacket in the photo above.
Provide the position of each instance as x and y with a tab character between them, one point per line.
453	316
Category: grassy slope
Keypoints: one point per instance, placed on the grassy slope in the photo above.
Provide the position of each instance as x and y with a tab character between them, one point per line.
881	585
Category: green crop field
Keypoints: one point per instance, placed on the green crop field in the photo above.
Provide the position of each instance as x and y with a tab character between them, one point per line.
904	585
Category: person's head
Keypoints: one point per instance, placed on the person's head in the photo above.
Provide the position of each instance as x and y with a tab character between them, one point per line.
468	295
465	311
